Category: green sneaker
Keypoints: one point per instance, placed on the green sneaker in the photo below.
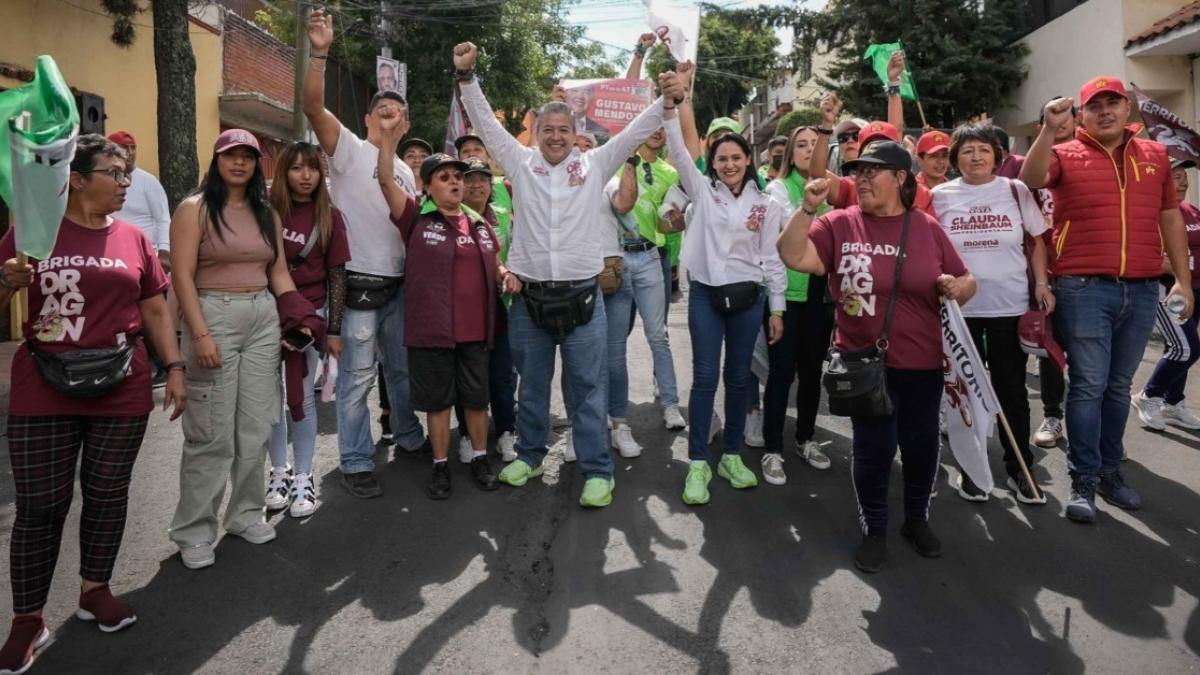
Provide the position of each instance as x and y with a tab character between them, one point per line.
597	492
695	486
518	473
732	470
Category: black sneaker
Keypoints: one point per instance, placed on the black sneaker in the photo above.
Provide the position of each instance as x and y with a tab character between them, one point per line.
1024	491
923	540
968	490
385	427
871	553
362	484
439	481
481	471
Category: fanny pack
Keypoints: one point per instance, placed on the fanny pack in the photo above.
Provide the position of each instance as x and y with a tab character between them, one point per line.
84	373
856	382
369	291
559	311
732	298
613	275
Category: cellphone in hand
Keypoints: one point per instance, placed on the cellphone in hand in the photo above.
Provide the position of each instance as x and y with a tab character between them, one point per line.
298	339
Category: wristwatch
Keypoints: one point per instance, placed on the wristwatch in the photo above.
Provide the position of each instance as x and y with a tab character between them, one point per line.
633	160
464	76
176	365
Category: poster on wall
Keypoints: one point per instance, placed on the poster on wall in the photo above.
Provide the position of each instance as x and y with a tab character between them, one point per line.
391	75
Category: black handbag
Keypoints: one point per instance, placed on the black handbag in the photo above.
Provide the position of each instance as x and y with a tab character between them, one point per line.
559	311
369	291
84	373
856	382
733	298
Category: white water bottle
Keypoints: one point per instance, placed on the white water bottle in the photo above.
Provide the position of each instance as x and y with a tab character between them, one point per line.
1175	305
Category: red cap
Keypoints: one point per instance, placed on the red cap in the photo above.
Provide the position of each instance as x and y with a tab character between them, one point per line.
232	138
932	141
122	138
1037	338
1099	85
877	131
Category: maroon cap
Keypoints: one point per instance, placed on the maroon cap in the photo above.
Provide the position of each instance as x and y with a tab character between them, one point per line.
877	131
1099	85
1037	338
932	141
123	138
232	138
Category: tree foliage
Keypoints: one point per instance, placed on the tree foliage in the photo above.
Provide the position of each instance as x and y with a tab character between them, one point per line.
805	116
122	13
960	52
736	53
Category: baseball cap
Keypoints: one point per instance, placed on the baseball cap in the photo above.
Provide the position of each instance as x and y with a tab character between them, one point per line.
932	141
123	138
877	131
436	161
883	153
1099	85
415	141
1037	338
232	138
1183	164
778	140
462	140
724	124
476	165
852	124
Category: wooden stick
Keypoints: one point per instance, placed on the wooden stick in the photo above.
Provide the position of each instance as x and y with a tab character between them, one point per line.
924	124
1037	492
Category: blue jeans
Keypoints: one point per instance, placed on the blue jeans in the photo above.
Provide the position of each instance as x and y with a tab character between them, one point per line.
304	432
643	282
364	331
584	382
1104	325
710	329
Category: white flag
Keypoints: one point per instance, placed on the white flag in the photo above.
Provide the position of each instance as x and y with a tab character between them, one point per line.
677	27
968	399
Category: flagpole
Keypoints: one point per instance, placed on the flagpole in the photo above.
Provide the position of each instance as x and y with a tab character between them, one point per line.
1037	491
17	305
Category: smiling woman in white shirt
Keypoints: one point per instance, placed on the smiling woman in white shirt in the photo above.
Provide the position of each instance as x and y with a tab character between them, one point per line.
729	244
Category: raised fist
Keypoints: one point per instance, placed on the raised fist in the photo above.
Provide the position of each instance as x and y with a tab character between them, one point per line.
320	31
465	54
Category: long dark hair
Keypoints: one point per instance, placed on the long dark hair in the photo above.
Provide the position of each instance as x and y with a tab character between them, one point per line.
281	190
214	195
729	137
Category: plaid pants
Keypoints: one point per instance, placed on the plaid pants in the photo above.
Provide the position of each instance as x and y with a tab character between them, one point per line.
44	451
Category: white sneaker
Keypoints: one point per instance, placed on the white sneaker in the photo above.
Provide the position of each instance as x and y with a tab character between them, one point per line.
1048	434
942	421
772	468
753	434
811	452
507	445
1179	415
198	556
569	448
304	496
715	427
1149	410
279	486
465	452
622	441
258	533
673	419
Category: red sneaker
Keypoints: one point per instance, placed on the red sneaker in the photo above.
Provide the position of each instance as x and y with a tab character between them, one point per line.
28	634
110	613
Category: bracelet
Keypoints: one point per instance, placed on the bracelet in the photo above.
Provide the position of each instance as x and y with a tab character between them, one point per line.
176	365
464	75
640	49
824	132
201	336
778	314
892	90
893	83
318	56
1042	284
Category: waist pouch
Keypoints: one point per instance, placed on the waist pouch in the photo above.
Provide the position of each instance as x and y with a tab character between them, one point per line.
856	383
613	275
732	298
559	311
369	291
84	373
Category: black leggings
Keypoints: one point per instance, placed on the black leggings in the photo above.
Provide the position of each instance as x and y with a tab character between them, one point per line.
796	357
916	395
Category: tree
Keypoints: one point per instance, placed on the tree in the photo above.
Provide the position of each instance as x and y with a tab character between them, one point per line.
800	117
736	52
960	52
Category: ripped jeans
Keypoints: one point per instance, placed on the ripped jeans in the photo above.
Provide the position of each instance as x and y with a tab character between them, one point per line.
363	331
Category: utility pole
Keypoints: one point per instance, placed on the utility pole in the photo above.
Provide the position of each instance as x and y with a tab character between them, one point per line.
385	48
299	123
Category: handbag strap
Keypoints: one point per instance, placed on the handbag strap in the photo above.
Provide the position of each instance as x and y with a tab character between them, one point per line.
308	247
882	342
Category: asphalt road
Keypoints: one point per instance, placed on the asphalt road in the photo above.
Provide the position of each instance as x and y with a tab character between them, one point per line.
525	581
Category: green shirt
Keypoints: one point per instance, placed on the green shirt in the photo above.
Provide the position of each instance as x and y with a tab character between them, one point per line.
651	194
797	288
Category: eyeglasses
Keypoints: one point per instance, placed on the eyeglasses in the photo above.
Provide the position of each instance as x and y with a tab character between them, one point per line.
870	171
846	138
648	172
120	176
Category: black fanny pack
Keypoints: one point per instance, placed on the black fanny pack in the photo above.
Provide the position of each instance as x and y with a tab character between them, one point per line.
561	310
369	291
732	298
84	373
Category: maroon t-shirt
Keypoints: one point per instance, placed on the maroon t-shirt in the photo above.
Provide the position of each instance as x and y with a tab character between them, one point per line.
859	254
1191	221
470	285
310	276
86	295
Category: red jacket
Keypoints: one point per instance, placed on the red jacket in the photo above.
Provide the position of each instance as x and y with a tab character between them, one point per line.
1107	206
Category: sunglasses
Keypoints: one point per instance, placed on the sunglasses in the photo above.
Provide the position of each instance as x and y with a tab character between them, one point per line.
846	138
648	173
871	171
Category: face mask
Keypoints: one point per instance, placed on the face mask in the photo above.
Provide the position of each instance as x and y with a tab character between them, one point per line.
777	162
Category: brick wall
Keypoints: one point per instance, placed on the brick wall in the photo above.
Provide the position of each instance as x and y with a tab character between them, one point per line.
257	62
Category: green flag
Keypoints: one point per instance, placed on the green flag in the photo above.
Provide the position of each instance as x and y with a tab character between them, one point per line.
35	170
879	55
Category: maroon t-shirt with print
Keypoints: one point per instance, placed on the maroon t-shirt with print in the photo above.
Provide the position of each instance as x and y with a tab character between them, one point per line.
86	295
470	285
310	275
859	253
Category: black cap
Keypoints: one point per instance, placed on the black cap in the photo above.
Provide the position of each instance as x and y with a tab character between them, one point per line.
476	165
458	142
883	153
415	141
1183	164
778	140
434	162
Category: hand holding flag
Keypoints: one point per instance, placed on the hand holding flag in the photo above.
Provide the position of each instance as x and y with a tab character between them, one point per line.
678	28
888	62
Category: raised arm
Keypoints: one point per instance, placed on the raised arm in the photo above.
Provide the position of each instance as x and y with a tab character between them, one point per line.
505	149
895	103
818	164
624	199
690	178
324	124
398	200
795	249
1035	172
644	43
687	114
